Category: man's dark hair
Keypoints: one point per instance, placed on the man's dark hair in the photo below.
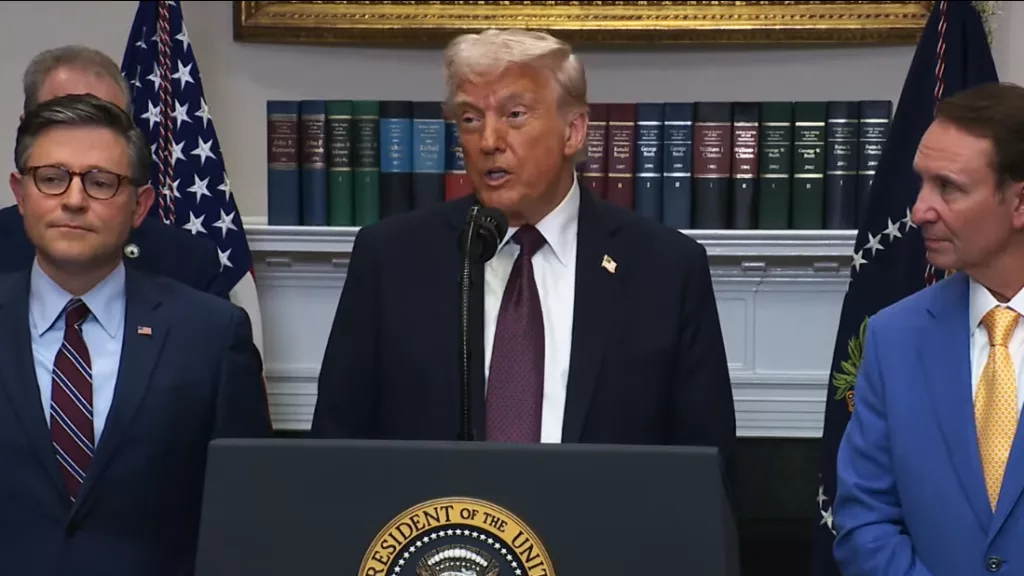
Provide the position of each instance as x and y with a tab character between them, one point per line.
84	110
994	111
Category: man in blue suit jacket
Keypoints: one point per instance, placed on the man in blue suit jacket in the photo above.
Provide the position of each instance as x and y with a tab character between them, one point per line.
591	324
152	247
931	467
112	381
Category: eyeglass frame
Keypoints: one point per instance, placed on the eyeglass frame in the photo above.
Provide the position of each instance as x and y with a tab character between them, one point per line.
121	179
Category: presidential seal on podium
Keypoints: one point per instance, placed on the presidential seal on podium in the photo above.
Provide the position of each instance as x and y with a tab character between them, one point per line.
456	537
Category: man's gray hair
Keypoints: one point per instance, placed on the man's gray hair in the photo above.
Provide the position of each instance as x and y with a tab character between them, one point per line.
84	110
474	57
75	57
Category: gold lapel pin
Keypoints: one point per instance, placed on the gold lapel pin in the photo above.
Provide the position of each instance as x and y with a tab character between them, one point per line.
608	264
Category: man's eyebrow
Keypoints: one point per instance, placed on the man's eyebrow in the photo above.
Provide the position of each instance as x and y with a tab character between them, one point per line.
523	97
512	97
463	102
943	174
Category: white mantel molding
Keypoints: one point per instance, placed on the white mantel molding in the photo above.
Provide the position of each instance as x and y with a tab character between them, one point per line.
779	296
748	243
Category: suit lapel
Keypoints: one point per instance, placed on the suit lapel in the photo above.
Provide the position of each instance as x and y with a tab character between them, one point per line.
1013	484
594	308
18	376
139	355
944	352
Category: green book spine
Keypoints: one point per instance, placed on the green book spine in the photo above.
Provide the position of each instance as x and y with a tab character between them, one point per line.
776	165
339	163
809	120
366	188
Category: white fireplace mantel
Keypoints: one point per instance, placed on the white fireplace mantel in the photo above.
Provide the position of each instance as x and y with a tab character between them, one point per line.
779	295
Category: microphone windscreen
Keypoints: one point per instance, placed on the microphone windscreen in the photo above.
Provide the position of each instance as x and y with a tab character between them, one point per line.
489	226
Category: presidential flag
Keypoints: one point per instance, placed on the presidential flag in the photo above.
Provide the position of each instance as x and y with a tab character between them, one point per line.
189	175
889	258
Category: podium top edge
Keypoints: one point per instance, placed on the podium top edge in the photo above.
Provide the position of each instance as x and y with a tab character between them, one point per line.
405	445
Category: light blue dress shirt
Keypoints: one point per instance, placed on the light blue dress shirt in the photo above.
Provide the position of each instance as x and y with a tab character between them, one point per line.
103	332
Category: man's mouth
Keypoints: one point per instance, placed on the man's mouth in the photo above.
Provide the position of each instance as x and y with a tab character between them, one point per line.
71	227
496	176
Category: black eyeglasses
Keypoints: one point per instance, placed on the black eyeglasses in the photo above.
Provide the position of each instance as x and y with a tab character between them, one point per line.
98	184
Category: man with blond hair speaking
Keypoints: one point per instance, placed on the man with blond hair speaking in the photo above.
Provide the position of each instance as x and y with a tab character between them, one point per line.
596	324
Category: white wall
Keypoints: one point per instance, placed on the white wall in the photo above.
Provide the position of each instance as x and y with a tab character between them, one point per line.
239	78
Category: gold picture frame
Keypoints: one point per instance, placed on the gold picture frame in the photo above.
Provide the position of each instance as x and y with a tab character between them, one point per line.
426	24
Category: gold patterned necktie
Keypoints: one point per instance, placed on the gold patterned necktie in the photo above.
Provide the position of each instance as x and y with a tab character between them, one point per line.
995	405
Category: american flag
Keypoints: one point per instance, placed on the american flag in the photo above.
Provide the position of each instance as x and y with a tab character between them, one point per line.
189	175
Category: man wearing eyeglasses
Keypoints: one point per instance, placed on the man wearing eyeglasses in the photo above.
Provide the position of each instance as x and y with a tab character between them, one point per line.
112	381
153	246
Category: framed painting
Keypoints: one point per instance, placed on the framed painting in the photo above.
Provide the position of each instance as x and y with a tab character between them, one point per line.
432	23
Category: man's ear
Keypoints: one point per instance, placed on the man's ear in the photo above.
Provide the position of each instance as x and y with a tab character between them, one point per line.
576	133
1014	193
143	200
16	188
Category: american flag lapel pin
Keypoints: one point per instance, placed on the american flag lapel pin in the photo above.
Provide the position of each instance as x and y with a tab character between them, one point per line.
145	331
608	264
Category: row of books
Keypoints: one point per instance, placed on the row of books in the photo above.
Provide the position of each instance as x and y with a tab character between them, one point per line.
689	165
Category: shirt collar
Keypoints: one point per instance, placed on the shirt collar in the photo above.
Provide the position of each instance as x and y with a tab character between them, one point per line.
981	301
559	226
106	301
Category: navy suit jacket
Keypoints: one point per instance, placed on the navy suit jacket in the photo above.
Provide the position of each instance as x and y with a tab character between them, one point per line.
911	497
647	366
192	380
163	250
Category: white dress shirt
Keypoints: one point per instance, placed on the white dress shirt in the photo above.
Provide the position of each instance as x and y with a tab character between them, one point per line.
554	267
981	301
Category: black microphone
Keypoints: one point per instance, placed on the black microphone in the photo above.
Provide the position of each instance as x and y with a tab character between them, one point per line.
485	229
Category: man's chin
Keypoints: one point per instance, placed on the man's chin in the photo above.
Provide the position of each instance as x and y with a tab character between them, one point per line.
941	258
72	257
497	198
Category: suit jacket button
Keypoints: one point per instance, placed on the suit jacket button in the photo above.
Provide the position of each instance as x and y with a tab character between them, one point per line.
994	564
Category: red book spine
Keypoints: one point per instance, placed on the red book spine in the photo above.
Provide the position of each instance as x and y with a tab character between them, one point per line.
594	170
622	148
456	181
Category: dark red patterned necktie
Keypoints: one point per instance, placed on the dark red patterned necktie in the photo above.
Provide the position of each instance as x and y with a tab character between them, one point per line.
71	423
515	384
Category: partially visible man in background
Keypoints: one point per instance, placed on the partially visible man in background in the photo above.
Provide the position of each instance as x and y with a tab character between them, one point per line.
153	246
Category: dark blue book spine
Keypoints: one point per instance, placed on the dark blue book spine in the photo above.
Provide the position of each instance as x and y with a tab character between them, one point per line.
428	158
677	167
284	190
650	118
313	150
875	116
395	157
841	166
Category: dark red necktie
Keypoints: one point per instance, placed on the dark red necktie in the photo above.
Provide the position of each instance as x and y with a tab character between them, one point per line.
71	423
515	383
